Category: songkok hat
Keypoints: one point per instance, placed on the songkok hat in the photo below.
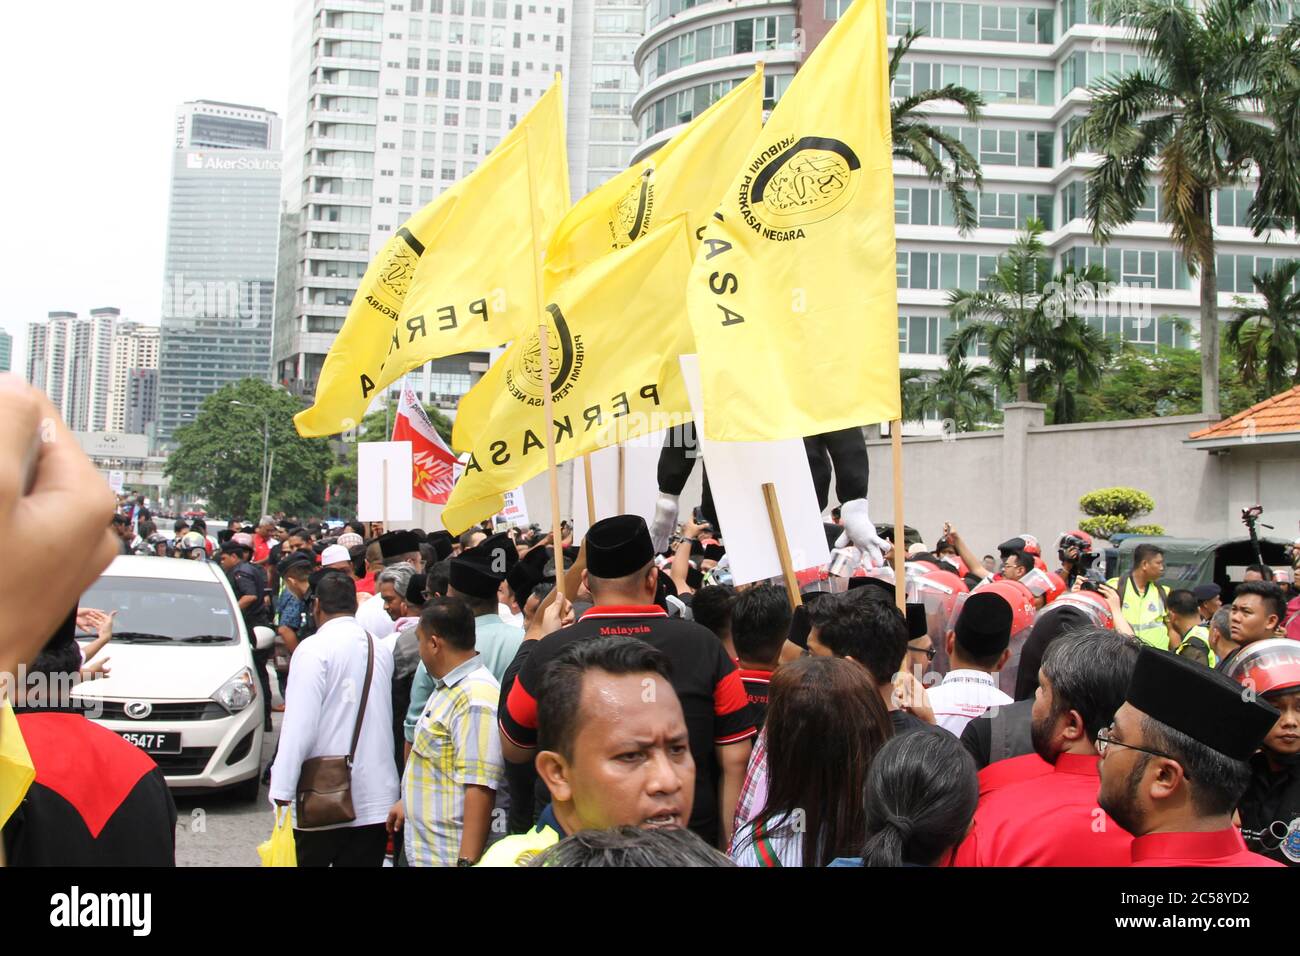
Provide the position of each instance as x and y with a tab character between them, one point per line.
293	560
618	546
335	554
442	543
479	571
415	590
395	543
1203	704
527	574
714	552
984	626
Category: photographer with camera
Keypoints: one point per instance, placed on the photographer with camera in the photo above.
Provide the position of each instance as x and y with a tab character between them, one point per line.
1143	599
1074	549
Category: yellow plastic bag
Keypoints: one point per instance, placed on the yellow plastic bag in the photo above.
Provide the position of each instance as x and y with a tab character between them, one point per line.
280	849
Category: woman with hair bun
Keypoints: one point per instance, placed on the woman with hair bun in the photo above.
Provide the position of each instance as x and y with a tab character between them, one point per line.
921	794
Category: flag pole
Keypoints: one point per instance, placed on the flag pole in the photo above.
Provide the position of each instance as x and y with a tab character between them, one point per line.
782	547
543	336
622	479
900	545
591	494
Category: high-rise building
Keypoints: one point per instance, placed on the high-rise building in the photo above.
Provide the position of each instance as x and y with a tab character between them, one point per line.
389	104
6	351
140	403
1032	61
222	234
135	349
601	87
73	361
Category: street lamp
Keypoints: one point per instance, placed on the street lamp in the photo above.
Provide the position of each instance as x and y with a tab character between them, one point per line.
266	444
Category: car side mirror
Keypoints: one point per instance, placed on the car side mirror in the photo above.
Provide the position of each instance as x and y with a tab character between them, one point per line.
263	638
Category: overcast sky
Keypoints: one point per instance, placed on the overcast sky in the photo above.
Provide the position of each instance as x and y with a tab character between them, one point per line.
92	88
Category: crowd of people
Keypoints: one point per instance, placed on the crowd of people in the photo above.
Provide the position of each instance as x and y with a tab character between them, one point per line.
1011	716
506	700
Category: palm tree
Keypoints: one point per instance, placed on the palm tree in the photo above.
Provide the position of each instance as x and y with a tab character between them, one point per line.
1060	356
960	393
1020	315
1269	334
914	138
1188	115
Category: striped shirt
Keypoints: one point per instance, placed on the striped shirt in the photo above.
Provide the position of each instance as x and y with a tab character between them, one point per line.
455	745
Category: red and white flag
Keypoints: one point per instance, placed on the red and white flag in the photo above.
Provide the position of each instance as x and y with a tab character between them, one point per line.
432	462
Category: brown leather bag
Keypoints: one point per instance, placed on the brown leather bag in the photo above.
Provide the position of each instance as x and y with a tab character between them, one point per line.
325	783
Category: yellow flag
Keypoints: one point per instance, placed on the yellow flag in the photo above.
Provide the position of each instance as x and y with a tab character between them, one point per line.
610	381
688	174
457	276
792	295
16	770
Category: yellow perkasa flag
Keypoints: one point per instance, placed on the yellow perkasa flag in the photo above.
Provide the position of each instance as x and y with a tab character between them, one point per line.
792	296
610	380
688	174
457	276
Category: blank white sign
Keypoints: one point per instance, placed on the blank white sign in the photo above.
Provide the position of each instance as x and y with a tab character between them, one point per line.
372	456
737	473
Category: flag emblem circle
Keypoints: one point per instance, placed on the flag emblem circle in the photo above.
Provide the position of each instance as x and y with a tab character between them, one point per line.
809	182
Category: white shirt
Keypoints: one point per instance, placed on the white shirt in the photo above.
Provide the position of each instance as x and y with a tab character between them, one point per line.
372	616
514	620
329	674
962	696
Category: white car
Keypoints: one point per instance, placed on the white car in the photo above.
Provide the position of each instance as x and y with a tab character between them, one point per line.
181	685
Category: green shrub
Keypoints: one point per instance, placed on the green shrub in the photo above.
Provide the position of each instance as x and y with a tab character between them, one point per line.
1103	526
1153	529
1126	503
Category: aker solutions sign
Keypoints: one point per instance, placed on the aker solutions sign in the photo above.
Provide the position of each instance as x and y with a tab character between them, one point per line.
224	162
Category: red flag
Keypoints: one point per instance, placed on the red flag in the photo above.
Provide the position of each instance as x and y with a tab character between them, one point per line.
432	462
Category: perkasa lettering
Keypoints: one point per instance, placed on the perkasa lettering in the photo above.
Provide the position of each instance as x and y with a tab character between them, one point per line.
502	450
721	283
446	317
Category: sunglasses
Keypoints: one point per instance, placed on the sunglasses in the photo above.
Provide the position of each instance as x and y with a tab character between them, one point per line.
929	652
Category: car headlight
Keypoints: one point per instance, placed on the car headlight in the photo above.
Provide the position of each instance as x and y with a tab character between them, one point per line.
238	692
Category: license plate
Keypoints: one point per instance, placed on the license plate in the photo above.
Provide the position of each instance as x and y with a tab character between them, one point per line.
166	743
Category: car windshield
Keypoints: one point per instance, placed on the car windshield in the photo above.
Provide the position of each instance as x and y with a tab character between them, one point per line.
160	611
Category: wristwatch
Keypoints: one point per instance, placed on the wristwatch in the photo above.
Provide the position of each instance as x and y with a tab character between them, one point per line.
464	861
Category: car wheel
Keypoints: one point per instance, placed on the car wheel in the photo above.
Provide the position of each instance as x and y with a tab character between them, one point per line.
246	792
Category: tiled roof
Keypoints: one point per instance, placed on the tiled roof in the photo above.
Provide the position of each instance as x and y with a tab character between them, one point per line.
1275	415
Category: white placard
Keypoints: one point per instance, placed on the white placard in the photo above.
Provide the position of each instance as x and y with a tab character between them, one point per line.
116	481
514	514
737	473
640	481
371	456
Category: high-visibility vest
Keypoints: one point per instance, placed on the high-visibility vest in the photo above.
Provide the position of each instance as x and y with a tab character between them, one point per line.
1198	634
1145	611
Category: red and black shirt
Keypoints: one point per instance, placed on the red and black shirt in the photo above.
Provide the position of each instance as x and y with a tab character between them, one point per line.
707	683
756	685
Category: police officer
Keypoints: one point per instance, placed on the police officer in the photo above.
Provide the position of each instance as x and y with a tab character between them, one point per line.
1188	635
249	585
1142	598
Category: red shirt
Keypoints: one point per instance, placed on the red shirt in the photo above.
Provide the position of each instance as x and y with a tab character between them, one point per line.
366	585
1047	820
1216	848
1012	770
261	549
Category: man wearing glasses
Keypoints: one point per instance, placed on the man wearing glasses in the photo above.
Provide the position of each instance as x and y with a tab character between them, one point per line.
1174	763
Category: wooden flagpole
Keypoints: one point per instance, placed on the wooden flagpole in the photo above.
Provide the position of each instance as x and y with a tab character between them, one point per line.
543	336
622	479
782	547
591	492
900	546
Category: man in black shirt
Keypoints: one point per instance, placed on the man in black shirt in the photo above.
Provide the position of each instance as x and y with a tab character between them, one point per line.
872	633
760	621
622	578
249	585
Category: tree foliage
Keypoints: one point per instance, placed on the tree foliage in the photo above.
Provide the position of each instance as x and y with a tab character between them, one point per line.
915	138
1138	384
219	455
1189	117
1265	338
960	394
